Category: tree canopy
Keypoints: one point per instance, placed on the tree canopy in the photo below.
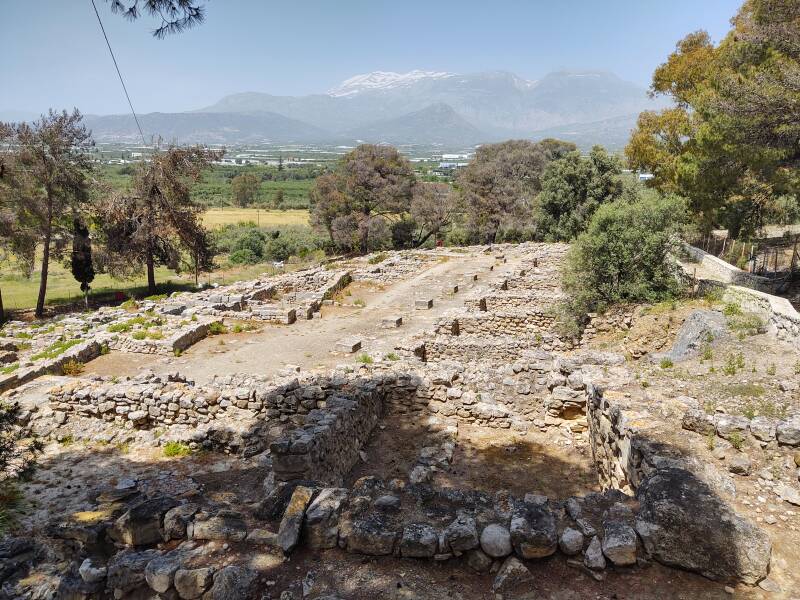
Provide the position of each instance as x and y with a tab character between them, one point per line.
735	127
499	185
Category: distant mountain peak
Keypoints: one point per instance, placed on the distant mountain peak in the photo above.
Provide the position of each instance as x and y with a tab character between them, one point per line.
383	80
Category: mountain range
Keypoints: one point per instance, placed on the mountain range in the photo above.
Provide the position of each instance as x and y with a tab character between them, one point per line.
420	108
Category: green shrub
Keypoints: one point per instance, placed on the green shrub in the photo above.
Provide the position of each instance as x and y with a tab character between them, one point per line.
72	368
217	328
364	358
732	309
625	254
139	335
392	356
359	302
666	363
736	439
176	449
119	328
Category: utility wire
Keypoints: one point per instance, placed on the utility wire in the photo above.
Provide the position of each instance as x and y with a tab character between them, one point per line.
116	66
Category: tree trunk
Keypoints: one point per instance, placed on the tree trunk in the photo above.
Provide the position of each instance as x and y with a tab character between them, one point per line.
2	312
151	273
45	267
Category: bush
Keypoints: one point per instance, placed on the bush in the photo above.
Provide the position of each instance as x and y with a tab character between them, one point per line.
625	254
244	256
175	449
72	368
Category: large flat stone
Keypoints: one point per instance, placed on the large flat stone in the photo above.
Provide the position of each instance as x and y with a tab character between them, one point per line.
292	522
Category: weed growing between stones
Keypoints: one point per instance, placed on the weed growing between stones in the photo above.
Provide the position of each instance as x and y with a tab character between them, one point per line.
217	328
365	359
666	363
176	449
73	368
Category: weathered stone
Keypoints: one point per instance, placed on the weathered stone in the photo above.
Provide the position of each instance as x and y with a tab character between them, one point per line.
700	327
175	520
292	522
496	541
192	583
348	345
141	525
677	507
92	571
533	531
374	536
460	535
423	303
126	569
727	425
160	572
419	540
225	525
619	543
698	421
478	561
231	583
571	541
763	428
740	464
593	558
322	518
513	576
788	432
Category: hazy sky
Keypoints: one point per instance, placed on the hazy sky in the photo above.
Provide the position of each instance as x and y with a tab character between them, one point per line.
53	54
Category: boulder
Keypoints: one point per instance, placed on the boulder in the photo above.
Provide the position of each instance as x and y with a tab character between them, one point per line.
683	523
321	524
141	524
231	583
593	558
726	425
698	421
175	520
478	561
419	540
740	464
92	571
292	522
461	535
513	576
126	570
496	541
374	535
763	428
700	328
571	541
192	583
226	525
533	530
160	573
619	543
788	432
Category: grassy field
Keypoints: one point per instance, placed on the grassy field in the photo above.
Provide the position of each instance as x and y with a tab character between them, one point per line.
217	217
214	188
21	293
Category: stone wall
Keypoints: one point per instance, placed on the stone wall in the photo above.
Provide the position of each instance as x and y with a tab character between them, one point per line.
726	272
180	340
328	445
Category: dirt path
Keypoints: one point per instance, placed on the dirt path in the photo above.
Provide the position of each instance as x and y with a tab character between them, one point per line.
310	344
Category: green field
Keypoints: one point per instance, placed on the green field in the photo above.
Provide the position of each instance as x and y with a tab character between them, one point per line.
217	217
214	189
21	293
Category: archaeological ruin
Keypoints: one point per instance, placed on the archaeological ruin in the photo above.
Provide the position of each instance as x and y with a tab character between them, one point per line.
411	427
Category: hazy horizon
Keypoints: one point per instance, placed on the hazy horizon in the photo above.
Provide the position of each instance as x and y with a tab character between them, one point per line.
282	49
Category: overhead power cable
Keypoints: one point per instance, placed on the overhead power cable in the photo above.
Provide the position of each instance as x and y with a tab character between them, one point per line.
119	73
